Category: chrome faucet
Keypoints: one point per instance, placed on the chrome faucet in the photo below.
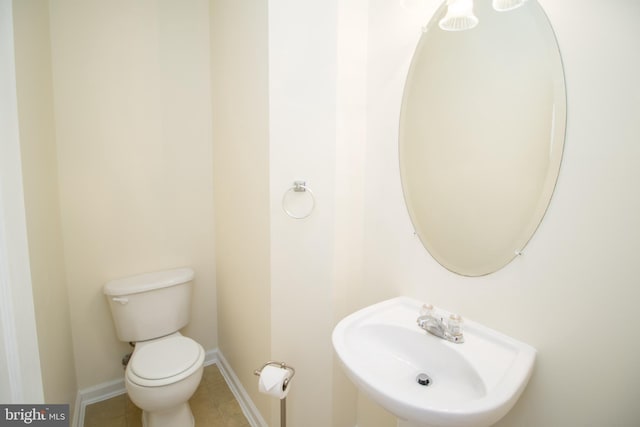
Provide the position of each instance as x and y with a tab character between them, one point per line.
436	325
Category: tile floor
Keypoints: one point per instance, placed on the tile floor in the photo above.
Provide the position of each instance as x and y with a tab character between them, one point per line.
213	405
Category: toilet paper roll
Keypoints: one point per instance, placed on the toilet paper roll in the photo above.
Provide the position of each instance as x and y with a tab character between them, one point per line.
271	381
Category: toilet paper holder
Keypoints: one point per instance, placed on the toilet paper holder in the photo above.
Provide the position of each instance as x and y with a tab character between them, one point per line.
281	365
285	384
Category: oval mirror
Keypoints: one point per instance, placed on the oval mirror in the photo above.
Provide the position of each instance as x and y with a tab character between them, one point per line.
481	135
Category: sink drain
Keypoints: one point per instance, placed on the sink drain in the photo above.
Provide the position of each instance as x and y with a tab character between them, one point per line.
424	380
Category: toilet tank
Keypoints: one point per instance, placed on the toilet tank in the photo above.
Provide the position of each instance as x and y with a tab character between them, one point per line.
150	305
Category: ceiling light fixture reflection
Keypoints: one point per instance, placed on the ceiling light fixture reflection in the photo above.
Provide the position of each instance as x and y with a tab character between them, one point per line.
459	16
505	5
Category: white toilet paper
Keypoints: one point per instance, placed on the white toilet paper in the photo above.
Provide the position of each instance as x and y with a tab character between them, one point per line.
271	381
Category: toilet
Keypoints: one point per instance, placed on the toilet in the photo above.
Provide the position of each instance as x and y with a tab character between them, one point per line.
165	368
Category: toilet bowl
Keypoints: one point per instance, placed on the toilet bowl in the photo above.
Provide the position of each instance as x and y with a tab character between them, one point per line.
166	367
161	377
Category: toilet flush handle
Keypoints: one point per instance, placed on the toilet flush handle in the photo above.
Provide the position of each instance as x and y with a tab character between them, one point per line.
121	300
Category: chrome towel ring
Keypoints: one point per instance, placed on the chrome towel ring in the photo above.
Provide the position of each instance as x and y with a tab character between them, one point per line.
298	187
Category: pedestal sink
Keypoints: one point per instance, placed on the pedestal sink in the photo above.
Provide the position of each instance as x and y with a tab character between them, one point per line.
427	381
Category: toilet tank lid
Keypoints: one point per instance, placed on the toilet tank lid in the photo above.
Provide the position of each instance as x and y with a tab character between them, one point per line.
148	281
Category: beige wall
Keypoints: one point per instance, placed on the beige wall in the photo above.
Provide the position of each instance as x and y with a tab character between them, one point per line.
573	294
302	129
241	172
133	130
40	174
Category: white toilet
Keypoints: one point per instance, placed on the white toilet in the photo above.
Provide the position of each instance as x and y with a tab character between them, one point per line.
166	367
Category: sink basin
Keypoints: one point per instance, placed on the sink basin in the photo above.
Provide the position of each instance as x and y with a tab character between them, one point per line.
383	351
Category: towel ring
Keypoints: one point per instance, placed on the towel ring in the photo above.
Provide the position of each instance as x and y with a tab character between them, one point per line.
298	187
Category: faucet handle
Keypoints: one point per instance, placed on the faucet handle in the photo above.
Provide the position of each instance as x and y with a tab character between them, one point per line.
426	309
455	324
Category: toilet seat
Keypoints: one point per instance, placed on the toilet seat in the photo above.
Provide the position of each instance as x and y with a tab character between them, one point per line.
165	361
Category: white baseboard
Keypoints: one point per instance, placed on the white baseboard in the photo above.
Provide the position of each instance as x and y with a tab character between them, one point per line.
114	388
246	404
94	394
